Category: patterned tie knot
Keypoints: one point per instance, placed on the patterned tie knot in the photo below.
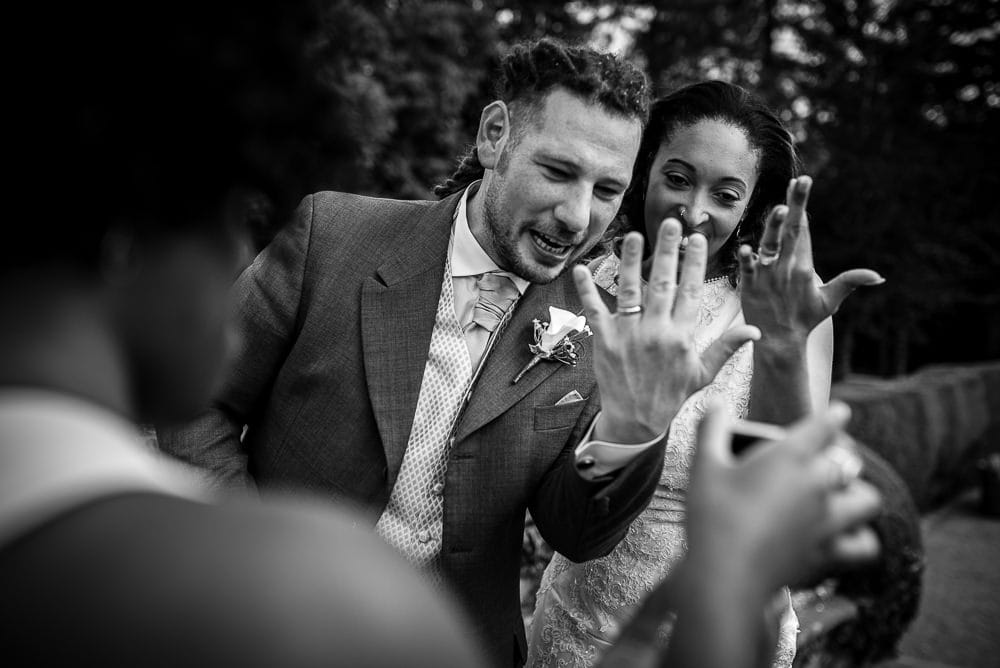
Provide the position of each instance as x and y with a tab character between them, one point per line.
496	294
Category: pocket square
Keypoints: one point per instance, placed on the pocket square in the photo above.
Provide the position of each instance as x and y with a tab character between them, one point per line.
570	398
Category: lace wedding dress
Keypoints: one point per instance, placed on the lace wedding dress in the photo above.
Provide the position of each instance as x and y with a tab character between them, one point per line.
580	608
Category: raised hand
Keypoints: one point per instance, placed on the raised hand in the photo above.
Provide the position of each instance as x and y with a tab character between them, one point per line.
645	358
779	290
783	511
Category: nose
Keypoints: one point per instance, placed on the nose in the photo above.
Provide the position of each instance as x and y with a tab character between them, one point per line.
693	214
573	210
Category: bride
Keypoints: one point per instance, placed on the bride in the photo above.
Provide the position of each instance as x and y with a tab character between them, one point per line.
717	159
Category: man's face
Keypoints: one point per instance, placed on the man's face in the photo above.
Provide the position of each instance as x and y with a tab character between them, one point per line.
175	321
556	190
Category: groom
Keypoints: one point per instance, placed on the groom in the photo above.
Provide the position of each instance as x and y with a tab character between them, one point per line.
381	341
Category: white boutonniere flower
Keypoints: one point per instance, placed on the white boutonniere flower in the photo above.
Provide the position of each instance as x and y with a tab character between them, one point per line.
557	340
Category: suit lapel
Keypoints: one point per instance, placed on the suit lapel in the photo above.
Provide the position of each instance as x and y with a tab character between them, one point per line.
494	392
398	309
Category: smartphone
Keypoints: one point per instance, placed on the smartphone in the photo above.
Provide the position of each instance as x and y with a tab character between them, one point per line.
747	432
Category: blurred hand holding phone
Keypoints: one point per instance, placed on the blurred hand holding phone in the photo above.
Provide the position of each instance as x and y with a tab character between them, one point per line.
747	432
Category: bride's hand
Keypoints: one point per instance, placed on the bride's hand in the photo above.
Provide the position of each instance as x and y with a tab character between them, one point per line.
780	291
644	354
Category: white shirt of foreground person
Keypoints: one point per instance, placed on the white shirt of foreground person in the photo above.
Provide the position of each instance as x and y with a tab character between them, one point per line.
413	520
58	452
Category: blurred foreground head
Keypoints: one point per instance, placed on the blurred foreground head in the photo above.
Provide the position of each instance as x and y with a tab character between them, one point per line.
138	145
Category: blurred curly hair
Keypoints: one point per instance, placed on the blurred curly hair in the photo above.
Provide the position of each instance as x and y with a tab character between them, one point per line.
733	105
533	69
162	129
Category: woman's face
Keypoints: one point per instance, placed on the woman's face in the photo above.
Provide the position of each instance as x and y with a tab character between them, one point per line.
703	177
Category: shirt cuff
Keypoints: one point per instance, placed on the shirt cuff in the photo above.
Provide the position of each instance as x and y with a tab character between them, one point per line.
594	459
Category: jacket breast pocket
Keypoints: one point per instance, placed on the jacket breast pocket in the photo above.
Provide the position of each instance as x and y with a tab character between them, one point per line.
563	416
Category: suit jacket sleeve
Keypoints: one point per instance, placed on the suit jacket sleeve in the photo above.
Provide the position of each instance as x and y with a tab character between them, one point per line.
267	297
582	519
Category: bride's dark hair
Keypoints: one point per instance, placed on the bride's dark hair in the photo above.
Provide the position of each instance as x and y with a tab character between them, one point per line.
731	104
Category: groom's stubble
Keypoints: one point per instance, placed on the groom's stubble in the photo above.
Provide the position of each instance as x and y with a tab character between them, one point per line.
502	230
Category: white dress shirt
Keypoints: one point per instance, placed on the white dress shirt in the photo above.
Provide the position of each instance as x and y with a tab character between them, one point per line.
58	452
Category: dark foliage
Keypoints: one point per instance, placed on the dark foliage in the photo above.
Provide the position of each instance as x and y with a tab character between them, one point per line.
891	104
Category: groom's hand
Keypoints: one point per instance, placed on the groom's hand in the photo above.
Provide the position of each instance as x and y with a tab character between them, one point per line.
645	358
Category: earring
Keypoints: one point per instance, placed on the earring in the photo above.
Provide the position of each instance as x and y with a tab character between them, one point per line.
736	232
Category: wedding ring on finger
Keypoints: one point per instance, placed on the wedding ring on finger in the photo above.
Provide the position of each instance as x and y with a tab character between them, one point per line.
768	256
630	310
663	285
845	466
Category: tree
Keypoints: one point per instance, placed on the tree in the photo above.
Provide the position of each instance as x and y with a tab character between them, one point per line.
891	102
409	73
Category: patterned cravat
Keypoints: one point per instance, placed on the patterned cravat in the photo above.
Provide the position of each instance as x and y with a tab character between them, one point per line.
497	293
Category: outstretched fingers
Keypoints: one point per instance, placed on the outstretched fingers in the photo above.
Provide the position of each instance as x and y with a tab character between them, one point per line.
662	285
748	265
720	350
856	546
597	313
630	273
771	239
852	506
816	433
838	289
795	239
692	280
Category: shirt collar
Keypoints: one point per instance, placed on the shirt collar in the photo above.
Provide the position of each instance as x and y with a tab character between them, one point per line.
467	256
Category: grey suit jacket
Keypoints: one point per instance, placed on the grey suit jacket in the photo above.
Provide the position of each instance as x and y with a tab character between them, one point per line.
336	317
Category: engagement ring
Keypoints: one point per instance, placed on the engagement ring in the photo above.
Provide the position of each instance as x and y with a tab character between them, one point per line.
768	256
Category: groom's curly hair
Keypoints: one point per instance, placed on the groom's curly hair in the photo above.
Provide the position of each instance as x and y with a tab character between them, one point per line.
531	70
